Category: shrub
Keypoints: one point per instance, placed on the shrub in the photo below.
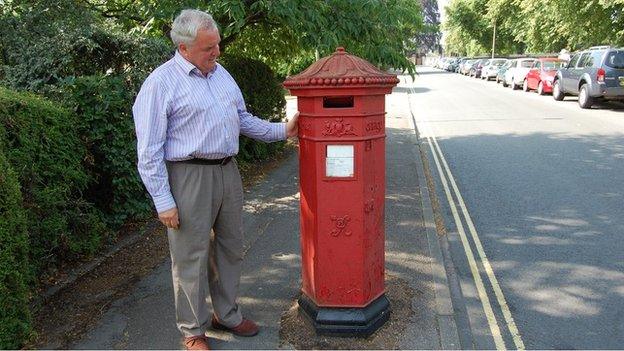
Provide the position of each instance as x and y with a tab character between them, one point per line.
264	97
41	143
14	268
105	124
46	42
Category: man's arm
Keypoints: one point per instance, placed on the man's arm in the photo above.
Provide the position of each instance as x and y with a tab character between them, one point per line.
150	119
262	130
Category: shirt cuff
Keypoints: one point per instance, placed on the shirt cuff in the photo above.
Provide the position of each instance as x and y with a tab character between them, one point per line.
279	131
164	203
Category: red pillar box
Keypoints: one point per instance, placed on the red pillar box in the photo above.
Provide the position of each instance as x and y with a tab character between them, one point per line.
341	102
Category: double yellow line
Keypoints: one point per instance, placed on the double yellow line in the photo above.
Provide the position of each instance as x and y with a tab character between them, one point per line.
441	163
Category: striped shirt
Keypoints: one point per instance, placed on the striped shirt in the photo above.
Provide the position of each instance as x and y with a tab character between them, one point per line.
180	114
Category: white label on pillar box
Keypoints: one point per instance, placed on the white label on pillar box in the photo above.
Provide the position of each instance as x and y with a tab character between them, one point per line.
339	162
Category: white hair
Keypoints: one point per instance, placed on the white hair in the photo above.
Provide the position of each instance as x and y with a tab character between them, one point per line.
188	23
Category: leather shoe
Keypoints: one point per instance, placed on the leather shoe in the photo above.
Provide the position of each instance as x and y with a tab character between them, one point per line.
199	342
245	328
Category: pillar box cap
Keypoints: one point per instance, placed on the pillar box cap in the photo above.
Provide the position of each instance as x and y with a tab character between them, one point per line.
341	70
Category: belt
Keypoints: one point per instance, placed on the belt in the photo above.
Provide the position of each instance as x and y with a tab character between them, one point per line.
205	161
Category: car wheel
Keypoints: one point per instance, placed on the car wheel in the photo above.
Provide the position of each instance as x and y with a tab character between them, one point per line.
584	99
540	88
525	86
504	83
558	94
513	84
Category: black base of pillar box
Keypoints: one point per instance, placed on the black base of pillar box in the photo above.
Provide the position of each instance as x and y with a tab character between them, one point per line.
350	321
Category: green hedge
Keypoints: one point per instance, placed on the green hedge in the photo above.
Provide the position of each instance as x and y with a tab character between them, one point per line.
14	269
105	125
264	97
41	143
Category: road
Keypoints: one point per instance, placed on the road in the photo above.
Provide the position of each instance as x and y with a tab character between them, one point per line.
531	194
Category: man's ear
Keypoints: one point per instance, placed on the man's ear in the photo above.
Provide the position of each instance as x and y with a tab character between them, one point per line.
183	49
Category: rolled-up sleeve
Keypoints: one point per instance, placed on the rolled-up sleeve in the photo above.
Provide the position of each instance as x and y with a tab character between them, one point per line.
150	120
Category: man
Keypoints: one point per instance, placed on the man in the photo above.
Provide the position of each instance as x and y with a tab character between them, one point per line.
188	117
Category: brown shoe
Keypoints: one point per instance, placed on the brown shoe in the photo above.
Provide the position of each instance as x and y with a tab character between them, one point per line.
199	342
245	328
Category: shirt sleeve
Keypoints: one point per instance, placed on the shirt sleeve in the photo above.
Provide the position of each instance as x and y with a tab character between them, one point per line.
257	128
150	120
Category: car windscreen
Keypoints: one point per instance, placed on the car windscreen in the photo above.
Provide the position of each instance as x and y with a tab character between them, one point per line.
499	62
615	59
526	64
553	65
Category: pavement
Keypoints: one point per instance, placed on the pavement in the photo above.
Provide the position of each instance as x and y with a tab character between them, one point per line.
271	278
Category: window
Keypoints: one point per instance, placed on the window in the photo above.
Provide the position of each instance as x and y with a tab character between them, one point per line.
538	64
582	60
574	60
615	59
597	56
553	65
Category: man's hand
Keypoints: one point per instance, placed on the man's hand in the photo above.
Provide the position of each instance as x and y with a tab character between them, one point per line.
292	127
170	218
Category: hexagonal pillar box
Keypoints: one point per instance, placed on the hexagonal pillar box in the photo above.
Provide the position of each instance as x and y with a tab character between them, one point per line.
341	100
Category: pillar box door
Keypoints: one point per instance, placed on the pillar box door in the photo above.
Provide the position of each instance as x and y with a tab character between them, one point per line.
341	100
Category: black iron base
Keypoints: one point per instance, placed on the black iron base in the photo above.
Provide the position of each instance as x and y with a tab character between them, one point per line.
346	321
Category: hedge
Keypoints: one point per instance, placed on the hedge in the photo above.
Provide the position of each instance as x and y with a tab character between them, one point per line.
104	108
264	97
76	168
41	143
14	269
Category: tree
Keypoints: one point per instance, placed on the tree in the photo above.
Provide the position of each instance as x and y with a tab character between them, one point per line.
429	39
534	26
374	29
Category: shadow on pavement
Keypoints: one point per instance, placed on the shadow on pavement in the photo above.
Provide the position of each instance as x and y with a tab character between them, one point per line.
551	221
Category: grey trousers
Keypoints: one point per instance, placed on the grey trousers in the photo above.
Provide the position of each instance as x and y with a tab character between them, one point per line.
209	198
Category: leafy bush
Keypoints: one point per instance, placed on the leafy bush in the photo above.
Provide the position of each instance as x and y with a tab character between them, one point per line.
41	143
105	124
43	43
264	97
14	268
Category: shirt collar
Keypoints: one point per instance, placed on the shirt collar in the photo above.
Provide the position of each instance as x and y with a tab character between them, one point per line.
187	66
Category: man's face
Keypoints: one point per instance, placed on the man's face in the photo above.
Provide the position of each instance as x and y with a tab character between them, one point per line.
204	51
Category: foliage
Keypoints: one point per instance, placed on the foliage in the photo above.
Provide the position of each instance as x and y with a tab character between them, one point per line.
429	39
44	43
264	97
533	26
14	267
290	28
105	125
41	143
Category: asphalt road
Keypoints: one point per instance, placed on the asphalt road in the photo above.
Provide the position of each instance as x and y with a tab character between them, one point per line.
535	220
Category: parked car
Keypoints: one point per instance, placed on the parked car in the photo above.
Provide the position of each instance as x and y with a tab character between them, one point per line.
452	64
593	74
475	69
500	75
515	74
465	68
460	64
542	74
490	69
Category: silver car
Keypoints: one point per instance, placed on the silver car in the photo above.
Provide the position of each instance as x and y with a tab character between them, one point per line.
597	73
491	67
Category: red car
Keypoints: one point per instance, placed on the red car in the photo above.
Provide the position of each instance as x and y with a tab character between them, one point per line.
541	75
